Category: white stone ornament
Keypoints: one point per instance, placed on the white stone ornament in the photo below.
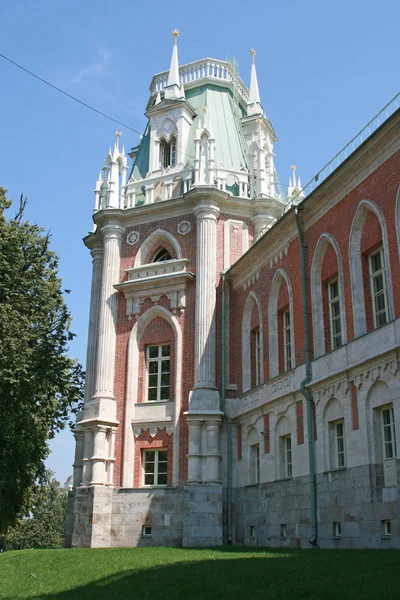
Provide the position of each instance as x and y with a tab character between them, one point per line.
184	227
132	238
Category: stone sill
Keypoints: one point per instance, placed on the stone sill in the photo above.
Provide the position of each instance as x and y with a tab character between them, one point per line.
150	402
330	471
337	538
386	537
283	479
146	489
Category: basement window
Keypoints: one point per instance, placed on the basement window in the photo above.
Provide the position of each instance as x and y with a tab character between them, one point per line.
337	530
283	531
386	528
146	531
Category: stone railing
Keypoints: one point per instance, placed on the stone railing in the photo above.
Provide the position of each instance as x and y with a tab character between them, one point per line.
206	68
158	269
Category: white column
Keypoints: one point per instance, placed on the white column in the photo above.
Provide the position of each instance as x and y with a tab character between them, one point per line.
97	266
105	361
211	456
206	216
99	456
87	454
197	162
262	184
194	454
79	436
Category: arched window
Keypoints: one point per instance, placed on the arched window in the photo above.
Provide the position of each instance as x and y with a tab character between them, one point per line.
252	344
167	152
283	440
382	432
334	436
329	318
162	256
281	325
371	282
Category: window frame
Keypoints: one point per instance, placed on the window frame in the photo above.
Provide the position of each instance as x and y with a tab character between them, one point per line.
340	444
156	474
287	339
391	427
335	301
257	356
287	456
159	360
374	275
255	463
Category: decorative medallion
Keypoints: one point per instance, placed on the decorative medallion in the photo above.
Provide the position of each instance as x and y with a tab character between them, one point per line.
184	227
132	238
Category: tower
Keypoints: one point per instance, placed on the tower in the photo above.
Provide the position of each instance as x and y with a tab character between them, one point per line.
201	188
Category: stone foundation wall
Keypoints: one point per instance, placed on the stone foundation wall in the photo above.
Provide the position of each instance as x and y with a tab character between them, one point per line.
202	515
265	507
158	508
354	497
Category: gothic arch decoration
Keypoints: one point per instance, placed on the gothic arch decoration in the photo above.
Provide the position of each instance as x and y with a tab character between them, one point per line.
279	277
167	129
357	283
132	389
252	300
154	240
316	292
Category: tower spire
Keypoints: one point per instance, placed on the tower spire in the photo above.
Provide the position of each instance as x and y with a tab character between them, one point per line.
174	89
254	106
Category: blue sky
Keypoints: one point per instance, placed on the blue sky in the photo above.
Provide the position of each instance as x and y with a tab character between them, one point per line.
324	69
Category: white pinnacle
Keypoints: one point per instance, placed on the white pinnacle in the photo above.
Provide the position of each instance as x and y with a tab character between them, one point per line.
173	76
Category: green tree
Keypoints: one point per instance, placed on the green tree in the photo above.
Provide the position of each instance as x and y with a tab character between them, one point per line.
44	526
39	383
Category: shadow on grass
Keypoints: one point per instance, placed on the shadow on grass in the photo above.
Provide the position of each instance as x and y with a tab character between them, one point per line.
263	574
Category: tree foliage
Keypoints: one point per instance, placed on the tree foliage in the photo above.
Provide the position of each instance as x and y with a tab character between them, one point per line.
39	383
44	526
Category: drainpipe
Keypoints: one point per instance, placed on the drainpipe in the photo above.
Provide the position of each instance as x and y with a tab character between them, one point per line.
305	383
227	417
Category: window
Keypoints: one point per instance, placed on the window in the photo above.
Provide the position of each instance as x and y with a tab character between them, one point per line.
158	370
257	356
255	463
378	288
388	433
155	467
252	532
287	341
146	531
337	530
167	153
386	528
339	439
283	531
287	441
334	314
162	256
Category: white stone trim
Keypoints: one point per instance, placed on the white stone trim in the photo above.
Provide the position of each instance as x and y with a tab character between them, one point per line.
397	219
227	239
132	390
252	299
357	283
273	321
316	292
154	238
332	411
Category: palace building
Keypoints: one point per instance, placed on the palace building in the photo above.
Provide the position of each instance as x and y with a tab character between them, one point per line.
243	380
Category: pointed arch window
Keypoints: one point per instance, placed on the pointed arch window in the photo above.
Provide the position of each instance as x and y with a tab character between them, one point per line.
162	255
167	152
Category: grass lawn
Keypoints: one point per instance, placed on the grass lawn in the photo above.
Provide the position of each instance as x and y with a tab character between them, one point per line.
222	573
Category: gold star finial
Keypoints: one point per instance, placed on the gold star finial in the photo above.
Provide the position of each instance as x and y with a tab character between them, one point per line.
118	134
253	53
293	167
176	33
